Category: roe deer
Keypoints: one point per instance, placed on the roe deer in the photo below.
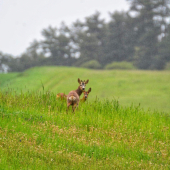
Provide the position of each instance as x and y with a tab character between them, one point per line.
61	96
73	96
86	93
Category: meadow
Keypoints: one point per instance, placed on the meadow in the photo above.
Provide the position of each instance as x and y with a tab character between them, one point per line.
37	133
150	89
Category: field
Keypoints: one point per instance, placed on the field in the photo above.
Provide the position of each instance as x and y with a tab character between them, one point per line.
150	89
107	132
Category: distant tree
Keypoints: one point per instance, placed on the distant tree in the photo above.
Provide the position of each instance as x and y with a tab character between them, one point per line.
97	33
77	32
56	45
35	51
89	38
33	56
121	38
164	47
5	60
150	20
88	47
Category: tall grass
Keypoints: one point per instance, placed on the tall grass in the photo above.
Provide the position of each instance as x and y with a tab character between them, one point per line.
37	133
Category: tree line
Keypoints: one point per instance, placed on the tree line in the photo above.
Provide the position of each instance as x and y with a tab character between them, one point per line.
140	36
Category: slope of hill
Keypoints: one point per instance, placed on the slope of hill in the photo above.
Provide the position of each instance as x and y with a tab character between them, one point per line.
37	133
149	88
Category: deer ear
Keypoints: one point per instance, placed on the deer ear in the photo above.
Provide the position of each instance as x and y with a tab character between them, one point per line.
79	81
89	90
87	81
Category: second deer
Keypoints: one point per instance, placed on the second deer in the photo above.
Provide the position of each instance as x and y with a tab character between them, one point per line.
61	96
86	93
73	96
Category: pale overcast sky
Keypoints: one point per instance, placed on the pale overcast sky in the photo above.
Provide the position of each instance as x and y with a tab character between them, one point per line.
21	21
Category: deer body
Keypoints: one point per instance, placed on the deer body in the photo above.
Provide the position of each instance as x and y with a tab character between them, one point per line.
73	97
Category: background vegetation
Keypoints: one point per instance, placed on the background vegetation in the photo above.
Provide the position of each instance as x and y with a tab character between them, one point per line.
140	36
120	65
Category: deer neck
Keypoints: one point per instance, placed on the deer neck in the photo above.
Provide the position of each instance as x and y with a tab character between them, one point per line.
83	99
79	91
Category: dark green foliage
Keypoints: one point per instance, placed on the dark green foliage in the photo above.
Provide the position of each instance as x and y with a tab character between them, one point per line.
120	65
57	45
5	59
167	67
121	38
164	50
150	23
93	64
90	38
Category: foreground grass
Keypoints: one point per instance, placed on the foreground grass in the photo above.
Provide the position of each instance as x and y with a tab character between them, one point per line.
149	88
36	133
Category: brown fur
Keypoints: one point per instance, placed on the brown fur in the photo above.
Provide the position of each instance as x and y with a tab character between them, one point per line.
73	96
86	93
61	96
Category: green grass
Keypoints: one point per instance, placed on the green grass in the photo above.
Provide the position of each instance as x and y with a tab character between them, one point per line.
36	133
149	88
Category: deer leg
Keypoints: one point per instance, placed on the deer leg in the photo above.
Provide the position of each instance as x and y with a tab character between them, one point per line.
74	107
68	105
77	105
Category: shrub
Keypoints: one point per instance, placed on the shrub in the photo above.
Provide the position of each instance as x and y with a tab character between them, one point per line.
93	64
124	65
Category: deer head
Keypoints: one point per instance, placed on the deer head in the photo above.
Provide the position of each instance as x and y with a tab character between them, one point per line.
82	84
86	93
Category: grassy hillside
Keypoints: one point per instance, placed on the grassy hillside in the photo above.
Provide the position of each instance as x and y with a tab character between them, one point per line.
36	133
149	88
